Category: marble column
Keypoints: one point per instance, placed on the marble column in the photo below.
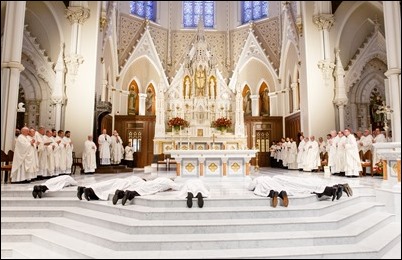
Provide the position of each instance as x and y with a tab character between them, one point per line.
392	21
295	90
143	98
255	105
341	98
11	68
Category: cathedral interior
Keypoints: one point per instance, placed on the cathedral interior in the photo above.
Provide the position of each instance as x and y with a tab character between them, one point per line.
274	68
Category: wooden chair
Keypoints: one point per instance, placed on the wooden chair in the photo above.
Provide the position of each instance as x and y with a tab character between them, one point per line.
162	162
6	166
76	162
368	163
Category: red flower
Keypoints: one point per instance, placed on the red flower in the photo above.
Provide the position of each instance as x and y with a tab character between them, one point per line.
178	121
222	122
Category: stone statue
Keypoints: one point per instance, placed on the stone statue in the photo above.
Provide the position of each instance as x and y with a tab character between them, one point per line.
200	82
247	103
212	88
187	88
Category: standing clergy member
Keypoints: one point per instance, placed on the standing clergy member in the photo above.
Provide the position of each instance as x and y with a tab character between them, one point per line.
117	148
353	165
69	152
128	155
104	142
24	164
89	156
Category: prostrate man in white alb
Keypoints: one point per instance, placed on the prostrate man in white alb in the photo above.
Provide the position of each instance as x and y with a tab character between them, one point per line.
104	142
117	148
194	188
89	156
53	184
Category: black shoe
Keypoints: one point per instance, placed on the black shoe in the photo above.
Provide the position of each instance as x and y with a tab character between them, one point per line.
334	193
87	194
271	194
80	191
34	192
284	196
339	192
39	191
275	199
200	200
189	199
119	194
125	197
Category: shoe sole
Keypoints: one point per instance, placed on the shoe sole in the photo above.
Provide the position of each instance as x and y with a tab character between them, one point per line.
274	202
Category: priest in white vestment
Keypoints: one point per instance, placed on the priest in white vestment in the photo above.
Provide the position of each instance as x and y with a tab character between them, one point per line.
53	184
312	160
89	155
117	150
292	155
353	164
340	153
32	135
42	152
24	165
332	152
50	145
300	153
62	152
69	151
104	142
379	138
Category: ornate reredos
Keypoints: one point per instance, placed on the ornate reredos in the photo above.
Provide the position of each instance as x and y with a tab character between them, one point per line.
198	92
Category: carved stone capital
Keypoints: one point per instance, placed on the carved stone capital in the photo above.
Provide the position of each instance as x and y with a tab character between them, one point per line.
324	21
327	68
341	102
102	23
73	61
77	14
299	26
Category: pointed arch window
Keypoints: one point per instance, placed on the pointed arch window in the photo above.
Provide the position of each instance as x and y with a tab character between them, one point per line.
144	9
193	10
253	10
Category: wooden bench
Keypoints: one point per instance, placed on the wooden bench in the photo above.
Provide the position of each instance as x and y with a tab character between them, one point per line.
167	162
367	163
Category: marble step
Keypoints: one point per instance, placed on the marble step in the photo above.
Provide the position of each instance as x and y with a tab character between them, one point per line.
24	250
128	225
316	208
369	247
348	234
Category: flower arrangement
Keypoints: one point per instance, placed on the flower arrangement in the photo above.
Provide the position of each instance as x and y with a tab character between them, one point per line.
176	122
379	167
222	123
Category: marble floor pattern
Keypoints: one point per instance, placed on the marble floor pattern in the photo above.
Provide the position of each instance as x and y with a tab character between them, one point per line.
219	189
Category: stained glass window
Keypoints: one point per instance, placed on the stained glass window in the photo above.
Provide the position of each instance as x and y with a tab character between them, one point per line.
144	9
253	10
193	10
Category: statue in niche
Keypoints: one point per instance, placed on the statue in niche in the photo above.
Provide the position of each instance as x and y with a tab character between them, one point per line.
187	88
247	103
377	119
264	102
212	88
132	96
149	102
200	82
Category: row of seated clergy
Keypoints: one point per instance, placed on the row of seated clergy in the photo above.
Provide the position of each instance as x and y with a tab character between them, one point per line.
6	165
167	161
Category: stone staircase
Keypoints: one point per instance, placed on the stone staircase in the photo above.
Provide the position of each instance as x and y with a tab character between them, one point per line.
160	226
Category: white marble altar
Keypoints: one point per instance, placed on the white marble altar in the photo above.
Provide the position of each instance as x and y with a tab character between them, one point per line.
213	163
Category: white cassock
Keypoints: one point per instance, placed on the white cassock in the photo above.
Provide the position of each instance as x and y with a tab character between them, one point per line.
292	156
59	182
62	155
36	161
300	152
49	151
89	156
312	160
104	188
340	155
154	186
194	186
332	153
367	143
23	167
69	154
42	155
56	154
104	142
117	149
352	164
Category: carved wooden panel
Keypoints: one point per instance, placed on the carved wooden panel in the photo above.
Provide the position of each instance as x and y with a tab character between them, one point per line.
292	126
